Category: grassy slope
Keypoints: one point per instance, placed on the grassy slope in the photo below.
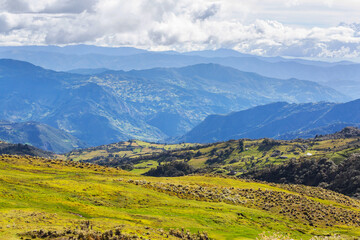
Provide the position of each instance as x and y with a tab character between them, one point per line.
123	149
255	156
49	194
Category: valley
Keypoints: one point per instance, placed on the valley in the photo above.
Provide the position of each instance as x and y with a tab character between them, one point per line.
179	120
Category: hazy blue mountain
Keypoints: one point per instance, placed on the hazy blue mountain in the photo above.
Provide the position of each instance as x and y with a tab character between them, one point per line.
89	71
39	135
69	102
191	93
81	49
222	52
344	76
149	105
277	120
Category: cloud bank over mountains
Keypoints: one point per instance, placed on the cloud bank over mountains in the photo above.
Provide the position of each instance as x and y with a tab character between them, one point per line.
299	28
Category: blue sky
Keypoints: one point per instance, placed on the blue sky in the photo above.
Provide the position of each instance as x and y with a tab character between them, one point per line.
297	28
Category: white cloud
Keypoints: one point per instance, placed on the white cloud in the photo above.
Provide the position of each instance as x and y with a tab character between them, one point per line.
268	27
47	6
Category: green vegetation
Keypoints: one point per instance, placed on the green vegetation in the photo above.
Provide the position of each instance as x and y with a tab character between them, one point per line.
233	157
172	169
80	199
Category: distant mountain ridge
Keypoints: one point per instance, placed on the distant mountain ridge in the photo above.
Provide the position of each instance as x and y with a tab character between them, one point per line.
344	76
81	49
277	120
39	135
150	105
89	71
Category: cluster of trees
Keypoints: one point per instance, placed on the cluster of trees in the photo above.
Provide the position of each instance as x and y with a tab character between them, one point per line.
172	169
268	143
343	178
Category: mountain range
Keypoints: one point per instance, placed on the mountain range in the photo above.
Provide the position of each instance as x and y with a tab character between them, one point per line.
150	105
344	76
277	120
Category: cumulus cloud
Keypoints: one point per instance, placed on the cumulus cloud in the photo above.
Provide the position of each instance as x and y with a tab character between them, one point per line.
47	6
298	28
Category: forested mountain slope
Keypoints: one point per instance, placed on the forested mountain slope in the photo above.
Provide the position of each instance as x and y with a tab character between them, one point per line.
148	105
39	135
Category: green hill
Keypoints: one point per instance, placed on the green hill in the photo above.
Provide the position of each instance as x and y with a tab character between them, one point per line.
230	157
128	149
54	199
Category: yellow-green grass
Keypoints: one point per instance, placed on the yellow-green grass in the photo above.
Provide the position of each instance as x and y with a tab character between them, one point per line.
143	167
47	194
128	149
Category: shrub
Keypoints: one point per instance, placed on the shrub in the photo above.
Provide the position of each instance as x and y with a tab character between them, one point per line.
343	178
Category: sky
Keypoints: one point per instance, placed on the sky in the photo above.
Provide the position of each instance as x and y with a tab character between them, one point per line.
296	28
